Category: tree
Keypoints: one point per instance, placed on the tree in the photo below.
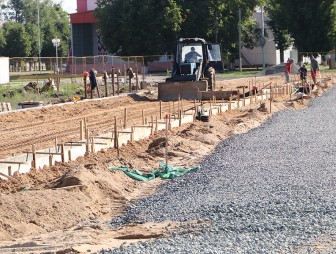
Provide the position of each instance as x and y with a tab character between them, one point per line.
2	42
126	24
17	6
309	22
282	38
219	19
17	42
54	22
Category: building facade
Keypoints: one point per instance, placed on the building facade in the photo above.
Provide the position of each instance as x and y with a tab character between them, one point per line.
86	40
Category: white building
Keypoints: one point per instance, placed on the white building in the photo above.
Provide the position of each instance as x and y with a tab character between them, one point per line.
271	54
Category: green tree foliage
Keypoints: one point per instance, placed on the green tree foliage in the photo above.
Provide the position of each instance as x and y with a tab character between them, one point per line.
310	23
54	22
2	42
17	6
139	27
282	38
153	26
219	19
17	41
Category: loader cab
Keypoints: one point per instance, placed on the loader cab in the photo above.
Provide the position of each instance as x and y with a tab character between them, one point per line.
192	57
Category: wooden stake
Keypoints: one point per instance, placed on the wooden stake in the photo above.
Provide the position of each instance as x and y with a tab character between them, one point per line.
132	134
105	83
143	117
180	117
62	151
92	145
85	127
81	130
210	109
56	146
9	170
115	132
156	124
69	155
112	80
160	109
136	78
50	160
178	105
152	125
118	84
87	141
174	109
125	118
249	87
34	156
230	101
169	123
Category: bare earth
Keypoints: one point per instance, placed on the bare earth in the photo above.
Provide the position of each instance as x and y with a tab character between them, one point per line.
67	207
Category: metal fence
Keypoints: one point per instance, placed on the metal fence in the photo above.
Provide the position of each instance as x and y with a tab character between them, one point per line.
77	65
141	64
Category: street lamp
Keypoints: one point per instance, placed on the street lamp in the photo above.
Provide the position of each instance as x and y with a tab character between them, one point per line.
39	33
56	43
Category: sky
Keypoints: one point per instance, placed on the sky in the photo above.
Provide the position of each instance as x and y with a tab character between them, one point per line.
69	6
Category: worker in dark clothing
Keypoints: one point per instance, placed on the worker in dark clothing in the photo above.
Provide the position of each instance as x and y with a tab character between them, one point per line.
93	81
192	55
303	73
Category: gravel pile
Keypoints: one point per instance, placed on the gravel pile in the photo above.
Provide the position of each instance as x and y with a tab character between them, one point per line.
271	190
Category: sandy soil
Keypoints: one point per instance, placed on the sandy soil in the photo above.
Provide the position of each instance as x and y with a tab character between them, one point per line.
67	207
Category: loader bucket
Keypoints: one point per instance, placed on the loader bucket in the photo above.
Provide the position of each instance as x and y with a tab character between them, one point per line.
188	90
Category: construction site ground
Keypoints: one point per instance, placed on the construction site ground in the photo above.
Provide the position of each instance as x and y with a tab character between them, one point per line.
67	207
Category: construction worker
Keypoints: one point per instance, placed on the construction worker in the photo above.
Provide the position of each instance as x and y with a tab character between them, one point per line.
314	68
93	81
288	68
303	74
192	55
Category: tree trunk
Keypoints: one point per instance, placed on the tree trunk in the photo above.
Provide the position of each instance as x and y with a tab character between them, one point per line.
282	55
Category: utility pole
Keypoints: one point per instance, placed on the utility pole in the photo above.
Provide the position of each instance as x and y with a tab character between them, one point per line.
39	33
263	36
240	43
216	26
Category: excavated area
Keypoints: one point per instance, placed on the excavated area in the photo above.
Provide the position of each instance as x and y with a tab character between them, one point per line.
66	207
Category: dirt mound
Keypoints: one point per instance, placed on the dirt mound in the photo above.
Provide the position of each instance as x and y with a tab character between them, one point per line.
81	194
